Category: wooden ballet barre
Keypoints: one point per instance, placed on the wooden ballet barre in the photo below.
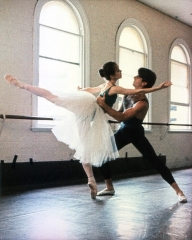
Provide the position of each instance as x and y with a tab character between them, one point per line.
3	116
23	117
165	124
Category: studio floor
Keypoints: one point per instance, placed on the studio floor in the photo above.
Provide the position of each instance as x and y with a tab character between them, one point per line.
142	208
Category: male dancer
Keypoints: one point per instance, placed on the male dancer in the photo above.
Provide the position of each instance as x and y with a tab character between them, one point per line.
131	115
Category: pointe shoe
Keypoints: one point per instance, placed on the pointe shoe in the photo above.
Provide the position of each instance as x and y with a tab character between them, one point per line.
12	80
93	189
182	199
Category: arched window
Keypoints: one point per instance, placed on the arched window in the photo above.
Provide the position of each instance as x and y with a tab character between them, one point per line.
180	97
60	52
133	53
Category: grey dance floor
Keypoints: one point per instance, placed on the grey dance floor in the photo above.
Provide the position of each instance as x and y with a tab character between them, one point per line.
142	208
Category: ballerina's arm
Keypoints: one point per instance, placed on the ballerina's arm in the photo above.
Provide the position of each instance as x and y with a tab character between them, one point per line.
125	91
91	89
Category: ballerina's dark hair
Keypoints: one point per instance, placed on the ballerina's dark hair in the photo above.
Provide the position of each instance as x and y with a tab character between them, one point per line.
108	69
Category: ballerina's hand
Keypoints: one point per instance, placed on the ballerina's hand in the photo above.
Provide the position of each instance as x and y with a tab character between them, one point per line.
165	84
79	88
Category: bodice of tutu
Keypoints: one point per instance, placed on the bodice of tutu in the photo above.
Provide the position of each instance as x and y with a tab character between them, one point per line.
109	99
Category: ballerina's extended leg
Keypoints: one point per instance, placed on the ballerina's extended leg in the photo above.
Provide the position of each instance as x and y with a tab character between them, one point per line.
41	92
51	97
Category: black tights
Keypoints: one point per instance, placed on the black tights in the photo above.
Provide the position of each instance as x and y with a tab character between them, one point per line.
136	136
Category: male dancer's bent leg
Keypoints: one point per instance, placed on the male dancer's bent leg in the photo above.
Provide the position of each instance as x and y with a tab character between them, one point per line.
139	140
146	149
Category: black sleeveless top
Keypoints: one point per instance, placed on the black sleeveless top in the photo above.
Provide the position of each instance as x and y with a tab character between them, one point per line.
132	122
109	99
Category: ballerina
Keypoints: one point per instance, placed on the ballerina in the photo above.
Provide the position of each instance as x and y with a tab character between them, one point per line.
86	129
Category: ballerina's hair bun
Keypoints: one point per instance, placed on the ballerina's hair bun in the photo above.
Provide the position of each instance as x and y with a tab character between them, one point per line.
107	70
101	72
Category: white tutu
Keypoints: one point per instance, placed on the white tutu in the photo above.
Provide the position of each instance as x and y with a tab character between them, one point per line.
85	128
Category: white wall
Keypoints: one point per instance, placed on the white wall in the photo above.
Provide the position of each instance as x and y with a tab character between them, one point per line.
104	16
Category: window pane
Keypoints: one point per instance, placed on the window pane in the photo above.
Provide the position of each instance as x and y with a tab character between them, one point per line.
178	54
179	115
59	45
59	15
129	63
179	74
56	76
179	78
131	39
179	95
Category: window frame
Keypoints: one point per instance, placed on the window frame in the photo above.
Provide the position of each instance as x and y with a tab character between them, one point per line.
181	43
84	58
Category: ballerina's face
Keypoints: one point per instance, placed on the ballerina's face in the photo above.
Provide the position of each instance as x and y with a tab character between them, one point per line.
118	73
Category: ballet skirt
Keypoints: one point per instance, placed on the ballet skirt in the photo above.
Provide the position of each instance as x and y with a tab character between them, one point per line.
85	128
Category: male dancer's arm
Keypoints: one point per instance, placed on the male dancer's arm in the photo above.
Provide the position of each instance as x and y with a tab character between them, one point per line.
122	116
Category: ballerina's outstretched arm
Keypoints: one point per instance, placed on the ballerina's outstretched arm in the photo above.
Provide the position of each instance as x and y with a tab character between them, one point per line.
125	91
41	92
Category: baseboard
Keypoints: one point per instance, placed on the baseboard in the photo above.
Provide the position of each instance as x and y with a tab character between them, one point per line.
39	174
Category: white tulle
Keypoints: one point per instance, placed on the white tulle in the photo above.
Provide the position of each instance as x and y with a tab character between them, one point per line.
85	128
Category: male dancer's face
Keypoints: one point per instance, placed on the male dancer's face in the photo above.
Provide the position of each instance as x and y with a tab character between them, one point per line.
138	82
